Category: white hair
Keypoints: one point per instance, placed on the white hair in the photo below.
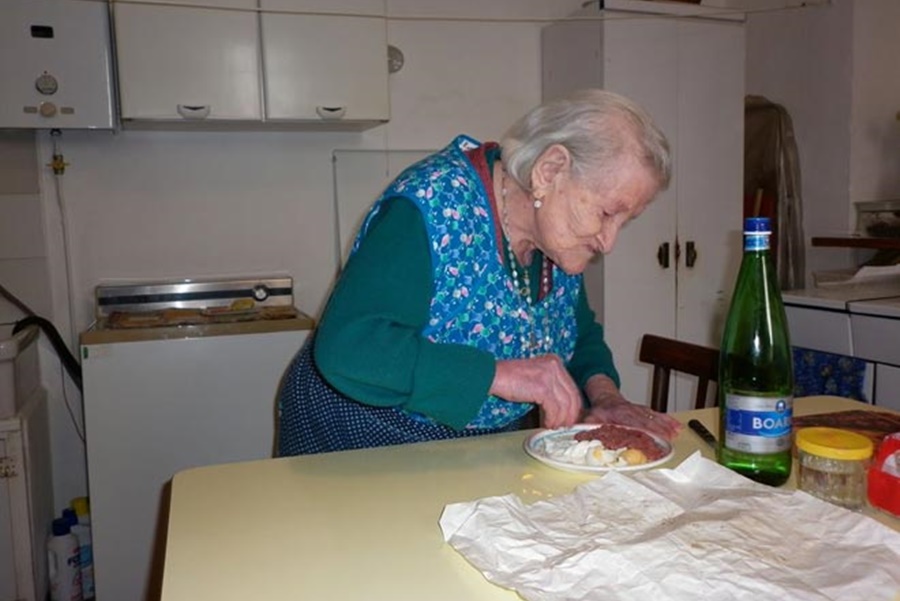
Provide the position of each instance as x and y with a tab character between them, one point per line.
600	129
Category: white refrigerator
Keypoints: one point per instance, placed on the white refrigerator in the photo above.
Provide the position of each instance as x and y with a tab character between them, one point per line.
155	405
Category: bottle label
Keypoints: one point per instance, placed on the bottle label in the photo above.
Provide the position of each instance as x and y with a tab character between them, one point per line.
758	425
756	241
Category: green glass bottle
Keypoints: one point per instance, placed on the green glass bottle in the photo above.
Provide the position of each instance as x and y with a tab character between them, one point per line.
756	375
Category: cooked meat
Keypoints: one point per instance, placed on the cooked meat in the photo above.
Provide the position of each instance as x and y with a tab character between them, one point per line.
620	437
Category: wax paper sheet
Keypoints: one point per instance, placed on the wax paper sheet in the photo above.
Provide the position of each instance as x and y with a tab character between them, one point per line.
699	531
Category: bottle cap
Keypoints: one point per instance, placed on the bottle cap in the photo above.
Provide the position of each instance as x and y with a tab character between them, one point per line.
60	527
69	516
81	505
833	443
757	225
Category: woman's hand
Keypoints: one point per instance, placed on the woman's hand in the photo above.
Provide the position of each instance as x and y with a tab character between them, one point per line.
609	406
544	381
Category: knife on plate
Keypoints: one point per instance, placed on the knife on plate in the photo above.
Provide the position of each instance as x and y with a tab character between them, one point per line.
705	434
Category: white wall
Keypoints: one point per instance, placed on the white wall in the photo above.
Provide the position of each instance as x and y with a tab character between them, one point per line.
183	204
803	60
875	130
834	67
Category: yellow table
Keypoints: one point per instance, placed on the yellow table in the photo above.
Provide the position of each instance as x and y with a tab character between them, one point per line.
362	525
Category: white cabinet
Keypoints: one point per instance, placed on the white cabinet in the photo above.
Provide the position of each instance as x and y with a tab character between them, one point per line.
179	63
820	329
887	386
672	270
156	405
876	331
26	503
235	63
324	67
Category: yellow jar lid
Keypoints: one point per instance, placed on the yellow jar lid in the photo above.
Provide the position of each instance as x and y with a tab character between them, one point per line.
834	443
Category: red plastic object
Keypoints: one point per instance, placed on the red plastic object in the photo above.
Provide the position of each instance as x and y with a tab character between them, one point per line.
884	487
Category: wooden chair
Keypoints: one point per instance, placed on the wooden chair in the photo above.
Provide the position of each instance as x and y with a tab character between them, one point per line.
668	355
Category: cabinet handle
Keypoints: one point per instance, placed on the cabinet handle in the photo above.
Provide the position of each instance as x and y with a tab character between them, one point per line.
662	255
690	254
331	112
194	111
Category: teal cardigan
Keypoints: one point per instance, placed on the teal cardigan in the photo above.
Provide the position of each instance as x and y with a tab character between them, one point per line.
369	347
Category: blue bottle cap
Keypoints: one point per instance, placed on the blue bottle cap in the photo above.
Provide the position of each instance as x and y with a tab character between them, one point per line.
759	225
69	515
60	527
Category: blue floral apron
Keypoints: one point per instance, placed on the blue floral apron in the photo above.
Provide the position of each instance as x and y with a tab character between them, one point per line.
475	303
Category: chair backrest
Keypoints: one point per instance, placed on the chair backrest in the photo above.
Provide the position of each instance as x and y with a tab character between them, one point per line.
668	355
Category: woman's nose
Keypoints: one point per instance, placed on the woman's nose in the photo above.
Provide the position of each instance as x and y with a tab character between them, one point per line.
607	238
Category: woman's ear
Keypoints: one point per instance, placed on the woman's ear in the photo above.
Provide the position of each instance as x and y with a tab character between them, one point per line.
554	161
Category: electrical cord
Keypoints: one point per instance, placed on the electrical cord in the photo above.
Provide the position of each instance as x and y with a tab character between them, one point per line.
69	362
12	298
79	430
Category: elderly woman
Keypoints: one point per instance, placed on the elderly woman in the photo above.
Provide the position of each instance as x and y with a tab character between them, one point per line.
462	308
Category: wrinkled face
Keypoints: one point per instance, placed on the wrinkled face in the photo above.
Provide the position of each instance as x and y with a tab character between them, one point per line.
580	219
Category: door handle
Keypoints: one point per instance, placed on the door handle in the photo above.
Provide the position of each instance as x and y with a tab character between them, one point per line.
662	255
690	254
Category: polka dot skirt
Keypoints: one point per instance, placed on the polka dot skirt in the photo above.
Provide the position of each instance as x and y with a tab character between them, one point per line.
315	418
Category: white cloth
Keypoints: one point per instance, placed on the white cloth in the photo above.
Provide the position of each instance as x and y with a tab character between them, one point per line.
699	531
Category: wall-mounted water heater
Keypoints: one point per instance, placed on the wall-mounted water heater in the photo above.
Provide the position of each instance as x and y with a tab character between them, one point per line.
55	65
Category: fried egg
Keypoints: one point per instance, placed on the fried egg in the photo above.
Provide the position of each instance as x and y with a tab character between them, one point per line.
587	452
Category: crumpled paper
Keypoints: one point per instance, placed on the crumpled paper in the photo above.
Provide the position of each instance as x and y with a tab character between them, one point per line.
699	531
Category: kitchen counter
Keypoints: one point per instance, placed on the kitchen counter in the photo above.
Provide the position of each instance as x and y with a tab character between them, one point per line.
363	524
860	320
260	326
837	296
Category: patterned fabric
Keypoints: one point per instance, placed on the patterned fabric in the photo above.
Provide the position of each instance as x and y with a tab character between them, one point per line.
313	417
820	373
475	302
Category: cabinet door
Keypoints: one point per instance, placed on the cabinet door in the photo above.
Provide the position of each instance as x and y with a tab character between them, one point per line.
16	569
185	63
887	386
709	168
640	62
325	67
8	588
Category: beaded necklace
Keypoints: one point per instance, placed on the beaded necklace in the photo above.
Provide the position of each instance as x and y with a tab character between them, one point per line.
533	342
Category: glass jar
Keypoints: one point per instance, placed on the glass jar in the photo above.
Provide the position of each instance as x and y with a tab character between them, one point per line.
833	465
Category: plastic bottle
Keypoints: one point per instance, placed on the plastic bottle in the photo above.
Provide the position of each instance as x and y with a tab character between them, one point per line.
756	377
82	530
69	516
62	563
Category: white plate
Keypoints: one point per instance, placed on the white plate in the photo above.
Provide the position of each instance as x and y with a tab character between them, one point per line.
534	446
